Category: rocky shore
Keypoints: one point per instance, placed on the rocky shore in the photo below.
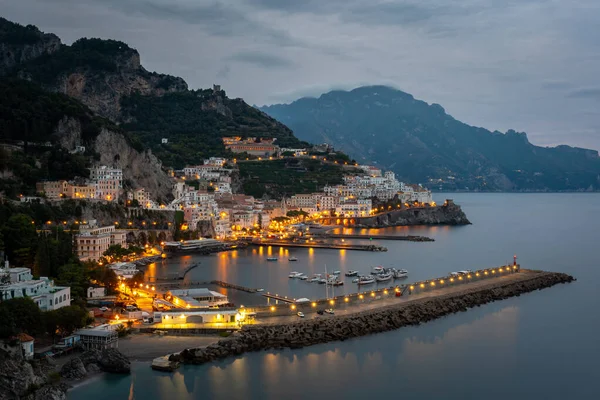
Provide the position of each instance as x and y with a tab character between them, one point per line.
39	379
323	330
451	214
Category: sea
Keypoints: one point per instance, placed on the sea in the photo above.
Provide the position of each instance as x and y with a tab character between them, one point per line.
541	345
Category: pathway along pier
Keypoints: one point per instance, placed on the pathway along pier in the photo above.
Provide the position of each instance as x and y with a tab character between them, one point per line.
422	302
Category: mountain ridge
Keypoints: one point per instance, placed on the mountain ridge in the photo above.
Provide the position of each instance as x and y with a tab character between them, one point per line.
422	143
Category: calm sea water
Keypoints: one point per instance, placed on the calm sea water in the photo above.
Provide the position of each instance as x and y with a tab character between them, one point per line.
541	345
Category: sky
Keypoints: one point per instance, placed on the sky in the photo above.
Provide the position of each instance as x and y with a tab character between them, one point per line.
528	65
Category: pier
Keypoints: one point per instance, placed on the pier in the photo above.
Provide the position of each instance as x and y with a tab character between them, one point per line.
285	299
375	311
233	286
409	238
319	245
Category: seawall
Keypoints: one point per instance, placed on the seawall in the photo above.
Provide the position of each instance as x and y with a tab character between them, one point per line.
327	329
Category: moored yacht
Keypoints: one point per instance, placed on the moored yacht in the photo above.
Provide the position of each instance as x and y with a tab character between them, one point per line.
351	273
400	273
384	277
292	259
364	280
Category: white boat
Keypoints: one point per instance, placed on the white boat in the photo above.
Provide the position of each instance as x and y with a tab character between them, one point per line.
351	273
295	274
329	311
315	278
303	277
260	290
300	314
322	280
292	259
384	277
378	269
336	272
355	280
400	273
271	258
364	280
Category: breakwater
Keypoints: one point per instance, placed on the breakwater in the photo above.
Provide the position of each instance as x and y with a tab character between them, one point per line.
414	312
408	238
318	245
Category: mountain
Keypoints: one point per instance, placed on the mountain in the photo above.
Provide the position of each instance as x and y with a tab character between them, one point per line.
39	131
421	143
107	76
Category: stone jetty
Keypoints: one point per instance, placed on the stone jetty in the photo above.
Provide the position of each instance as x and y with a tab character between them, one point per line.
327	329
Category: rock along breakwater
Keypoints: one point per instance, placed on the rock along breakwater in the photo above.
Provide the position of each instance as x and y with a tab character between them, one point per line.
327	329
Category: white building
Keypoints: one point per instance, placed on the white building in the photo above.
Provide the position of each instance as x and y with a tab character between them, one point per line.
42	291
96	291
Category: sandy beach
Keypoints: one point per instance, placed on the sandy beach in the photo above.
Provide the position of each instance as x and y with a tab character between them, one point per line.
146	347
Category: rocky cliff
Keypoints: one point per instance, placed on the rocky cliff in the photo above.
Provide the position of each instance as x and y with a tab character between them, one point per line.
31	380
322	330
19	44
451	214
98	73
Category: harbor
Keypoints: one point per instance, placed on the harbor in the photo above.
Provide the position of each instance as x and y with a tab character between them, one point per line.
317	245
408	238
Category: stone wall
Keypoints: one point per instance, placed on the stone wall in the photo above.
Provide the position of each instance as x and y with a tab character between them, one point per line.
323	330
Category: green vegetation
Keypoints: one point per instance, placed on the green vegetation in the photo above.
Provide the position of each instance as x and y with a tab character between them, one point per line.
15	34
195	123
286	177
23	315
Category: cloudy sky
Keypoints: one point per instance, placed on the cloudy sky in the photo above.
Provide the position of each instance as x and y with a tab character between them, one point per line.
530	65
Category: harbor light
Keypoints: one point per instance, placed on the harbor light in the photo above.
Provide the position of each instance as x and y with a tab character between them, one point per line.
141	285
314	304
451	279
422	285
500	270
432	283
372	294
486	272
493	271
183	316
412	288
477	274
385	291
460	278
272	308
361	297
332	302
153	288
293	307
346	299
442	282
469	276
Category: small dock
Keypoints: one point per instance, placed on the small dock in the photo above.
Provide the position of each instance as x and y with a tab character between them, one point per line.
409	238
338	246
285	299
232	286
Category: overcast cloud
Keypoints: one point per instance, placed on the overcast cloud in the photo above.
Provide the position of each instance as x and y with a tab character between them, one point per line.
529	65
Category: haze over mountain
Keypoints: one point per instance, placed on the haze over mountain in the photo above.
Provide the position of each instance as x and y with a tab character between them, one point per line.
421	143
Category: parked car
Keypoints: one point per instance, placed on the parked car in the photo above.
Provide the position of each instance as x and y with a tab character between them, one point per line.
300	314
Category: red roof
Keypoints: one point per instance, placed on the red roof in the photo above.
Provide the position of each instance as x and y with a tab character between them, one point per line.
23	337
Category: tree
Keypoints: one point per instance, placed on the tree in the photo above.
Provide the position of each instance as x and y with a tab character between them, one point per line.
20	239
20	314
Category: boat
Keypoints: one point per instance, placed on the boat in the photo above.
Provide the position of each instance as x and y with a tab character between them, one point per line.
355	280
336	272
322	280
300	314
364	280
315	278
260	290
303	277
384	277
378	269
292	259
271	258
337	283
295	274
351	273
400	273
329	311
